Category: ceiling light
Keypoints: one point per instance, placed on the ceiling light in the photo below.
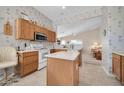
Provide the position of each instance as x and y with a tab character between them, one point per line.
63	7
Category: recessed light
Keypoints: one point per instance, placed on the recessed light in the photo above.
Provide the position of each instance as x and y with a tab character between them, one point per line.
63	7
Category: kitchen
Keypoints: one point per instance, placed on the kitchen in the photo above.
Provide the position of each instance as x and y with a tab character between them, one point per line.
41	44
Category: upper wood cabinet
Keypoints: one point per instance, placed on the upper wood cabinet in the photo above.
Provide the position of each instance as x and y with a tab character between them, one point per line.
51	36
24	29
54	37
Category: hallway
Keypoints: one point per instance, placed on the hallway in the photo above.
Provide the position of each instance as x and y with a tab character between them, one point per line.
92	73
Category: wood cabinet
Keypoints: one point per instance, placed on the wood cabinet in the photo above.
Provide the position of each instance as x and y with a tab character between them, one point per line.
57	50
122	72
97	54
51	36
27	63
62	72
116	62
118	66
24	29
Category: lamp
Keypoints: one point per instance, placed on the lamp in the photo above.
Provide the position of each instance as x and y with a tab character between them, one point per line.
96	46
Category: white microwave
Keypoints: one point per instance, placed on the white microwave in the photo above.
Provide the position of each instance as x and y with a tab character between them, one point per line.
40	37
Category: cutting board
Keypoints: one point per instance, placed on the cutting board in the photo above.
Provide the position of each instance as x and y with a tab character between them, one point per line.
7	29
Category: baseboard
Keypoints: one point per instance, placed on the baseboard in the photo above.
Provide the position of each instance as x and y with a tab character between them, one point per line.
109	74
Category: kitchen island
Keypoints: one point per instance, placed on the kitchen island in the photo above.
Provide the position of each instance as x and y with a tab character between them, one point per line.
63	68
65	49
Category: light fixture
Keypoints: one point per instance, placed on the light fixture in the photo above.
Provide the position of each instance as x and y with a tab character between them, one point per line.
63	7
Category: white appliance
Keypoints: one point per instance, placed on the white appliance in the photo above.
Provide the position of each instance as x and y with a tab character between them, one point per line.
42	60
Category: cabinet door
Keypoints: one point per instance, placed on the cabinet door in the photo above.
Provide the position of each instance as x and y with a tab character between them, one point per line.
51	36
35	28
117	69
19	31
76	71
123	70
24	29
30	32
54	36
42	30
48	33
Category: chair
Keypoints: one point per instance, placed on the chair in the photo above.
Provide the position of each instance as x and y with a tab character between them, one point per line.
8	58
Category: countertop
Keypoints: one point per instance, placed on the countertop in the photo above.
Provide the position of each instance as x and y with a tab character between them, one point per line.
66	55
26	51
67	49
119	53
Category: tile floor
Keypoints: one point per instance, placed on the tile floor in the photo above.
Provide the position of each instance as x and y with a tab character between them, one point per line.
91	74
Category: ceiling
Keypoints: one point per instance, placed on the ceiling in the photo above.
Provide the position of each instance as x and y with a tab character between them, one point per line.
70	14
73	29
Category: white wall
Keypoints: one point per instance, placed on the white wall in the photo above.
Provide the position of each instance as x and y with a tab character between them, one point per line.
113	23
87	37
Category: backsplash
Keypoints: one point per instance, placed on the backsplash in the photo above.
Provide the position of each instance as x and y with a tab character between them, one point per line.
8	13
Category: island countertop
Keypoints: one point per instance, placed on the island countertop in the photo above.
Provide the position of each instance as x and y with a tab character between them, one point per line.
66	55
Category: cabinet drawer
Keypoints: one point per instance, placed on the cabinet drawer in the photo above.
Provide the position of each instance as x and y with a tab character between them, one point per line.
116	56
30	54
30	60
30	68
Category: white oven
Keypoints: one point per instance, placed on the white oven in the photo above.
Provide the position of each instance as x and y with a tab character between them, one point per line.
42	58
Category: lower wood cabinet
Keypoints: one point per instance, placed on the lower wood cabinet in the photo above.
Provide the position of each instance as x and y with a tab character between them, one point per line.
118	66
62	72
122	70
57	50
27	63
